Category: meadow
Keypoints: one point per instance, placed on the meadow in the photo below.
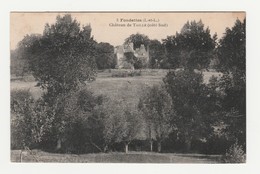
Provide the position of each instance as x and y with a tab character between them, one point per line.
127	89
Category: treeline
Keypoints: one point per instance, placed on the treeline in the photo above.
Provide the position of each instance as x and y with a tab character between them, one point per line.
193	42
101	54
183	114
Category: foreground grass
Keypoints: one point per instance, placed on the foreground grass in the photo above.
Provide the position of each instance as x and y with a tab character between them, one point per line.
116	157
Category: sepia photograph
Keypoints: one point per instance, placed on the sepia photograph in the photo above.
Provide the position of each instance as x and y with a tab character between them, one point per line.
128	87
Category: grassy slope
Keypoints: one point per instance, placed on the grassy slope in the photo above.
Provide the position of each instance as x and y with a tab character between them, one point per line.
132	157
127	89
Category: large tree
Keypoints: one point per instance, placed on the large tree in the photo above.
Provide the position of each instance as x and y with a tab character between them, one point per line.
121	123
156	107
172	52
191	103
192	48
83	125
231	50
62	58
232	63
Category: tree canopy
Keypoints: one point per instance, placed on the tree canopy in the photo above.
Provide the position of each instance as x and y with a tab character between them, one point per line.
231	50
105	57
138	39
232	63
156	106
19	61
63	57
190	102
192	48
156	54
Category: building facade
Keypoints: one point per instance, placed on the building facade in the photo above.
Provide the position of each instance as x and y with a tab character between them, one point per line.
140	53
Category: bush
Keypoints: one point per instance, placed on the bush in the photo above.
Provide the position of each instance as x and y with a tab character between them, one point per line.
19	100
235	154
216	145
127	65
73	122
29	120
120	74
134	73
123	73
83	126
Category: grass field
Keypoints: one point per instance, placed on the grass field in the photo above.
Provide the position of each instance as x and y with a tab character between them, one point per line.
131	157
119	88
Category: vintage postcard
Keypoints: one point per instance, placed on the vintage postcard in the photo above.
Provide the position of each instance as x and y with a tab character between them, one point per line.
128	87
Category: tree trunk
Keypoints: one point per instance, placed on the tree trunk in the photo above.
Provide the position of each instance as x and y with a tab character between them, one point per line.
159	146
21	155
96	146
105	148
58	147
151	145
188	144
126	147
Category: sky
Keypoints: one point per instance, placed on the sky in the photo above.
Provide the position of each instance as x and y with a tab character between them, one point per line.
115	27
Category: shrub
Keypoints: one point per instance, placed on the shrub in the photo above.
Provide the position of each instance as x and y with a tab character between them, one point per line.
134	73
123	73
216	145
120	74
72	125
127	65
29	120
20	102
83	126
235	154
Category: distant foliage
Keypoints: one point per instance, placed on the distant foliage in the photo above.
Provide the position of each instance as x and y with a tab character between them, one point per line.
192	48
130	58
19	66
136	62
105	58
138	39
18	57
157	54
124	73
235	154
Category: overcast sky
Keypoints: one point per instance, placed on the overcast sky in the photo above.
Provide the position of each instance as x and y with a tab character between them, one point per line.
28	23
